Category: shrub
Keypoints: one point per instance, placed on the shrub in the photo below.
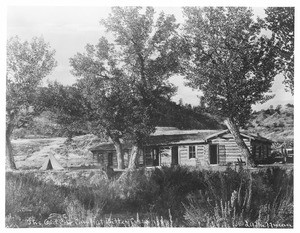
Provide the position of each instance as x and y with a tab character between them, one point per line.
262	197
19	133
156	191
135	190
170	196
27	196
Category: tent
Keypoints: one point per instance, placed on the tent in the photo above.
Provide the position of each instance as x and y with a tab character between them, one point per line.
51	164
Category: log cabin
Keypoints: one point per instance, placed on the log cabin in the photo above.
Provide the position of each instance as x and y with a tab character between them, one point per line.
169	146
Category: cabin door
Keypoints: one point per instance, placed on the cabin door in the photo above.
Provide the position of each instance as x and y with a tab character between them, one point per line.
174	155
213	154
155	157
110	159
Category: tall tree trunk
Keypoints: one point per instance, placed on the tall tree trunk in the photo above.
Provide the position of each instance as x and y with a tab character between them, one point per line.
119	152
239	141
134	157
10	163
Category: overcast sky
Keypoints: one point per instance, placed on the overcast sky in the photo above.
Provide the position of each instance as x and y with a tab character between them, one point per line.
69	28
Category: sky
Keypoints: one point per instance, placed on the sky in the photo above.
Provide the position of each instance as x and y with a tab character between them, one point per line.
69	28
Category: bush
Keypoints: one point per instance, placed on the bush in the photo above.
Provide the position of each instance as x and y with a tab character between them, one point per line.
260	198
27	196
19	133
159	190
135	190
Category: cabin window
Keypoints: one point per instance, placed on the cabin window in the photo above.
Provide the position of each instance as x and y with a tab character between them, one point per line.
126	158
148	156
290	152
100	158
192	152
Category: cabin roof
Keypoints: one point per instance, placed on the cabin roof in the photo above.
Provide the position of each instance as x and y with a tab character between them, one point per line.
172	137
183	132
243	134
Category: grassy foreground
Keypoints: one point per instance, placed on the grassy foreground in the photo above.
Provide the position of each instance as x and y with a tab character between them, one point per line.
166	197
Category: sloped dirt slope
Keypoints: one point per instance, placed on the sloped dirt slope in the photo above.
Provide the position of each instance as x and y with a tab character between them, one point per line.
31	153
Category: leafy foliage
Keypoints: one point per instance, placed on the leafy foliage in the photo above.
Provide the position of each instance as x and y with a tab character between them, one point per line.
281	21
228	59
27	64
108	95
126	78
123	81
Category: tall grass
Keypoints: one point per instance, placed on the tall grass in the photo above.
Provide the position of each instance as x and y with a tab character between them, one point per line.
170	196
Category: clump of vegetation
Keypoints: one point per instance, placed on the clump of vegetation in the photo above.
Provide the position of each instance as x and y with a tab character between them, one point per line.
170	196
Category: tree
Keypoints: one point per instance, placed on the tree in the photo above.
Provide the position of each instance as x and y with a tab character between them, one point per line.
124	80
281	21
102	87
27	64
150	56
229	60
110	99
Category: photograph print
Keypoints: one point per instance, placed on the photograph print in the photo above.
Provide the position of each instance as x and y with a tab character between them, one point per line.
149	116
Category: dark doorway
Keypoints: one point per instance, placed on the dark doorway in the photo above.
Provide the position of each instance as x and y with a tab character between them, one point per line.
213	154
110	159
174	155
155	157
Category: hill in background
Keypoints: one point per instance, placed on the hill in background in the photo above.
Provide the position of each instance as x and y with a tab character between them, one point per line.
276	123
169	114
185	116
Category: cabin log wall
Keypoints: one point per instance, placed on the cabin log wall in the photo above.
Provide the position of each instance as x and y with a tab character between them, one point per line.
228	150
183	153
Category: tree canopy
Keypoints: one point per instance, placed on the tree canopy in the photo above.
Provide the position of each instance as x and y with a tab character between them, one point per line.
229	60
281	21
124	79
